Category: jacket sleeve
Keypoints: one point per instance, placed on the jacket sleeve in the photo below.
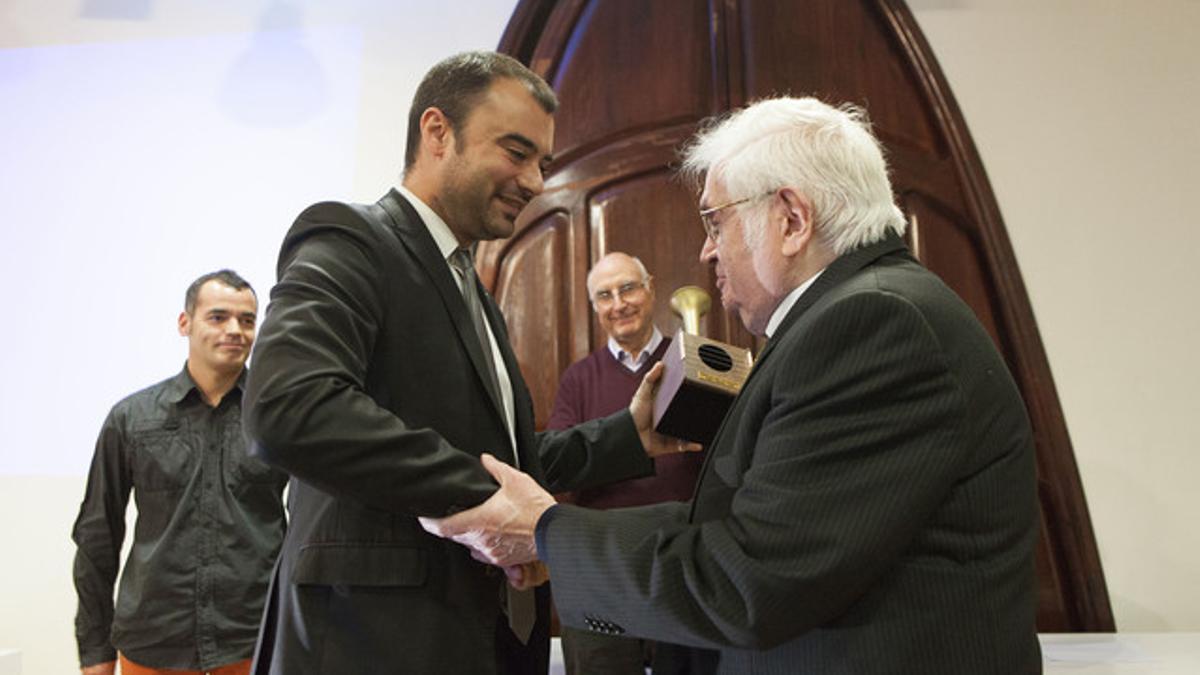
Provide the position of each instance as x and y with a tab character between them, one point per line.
307	408
853	445
593	453
98	534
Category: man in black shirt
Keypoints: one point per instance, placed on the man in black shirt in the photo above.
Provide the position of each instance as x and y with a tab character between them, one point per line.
210	517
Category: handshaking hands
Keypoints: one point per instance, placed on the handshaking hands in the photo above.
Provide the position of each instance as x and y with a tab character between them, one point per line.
500	531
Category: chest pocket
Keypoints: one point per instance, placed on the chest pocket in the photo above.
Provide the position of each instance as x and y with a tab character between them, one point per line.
239	467
162	460
247	469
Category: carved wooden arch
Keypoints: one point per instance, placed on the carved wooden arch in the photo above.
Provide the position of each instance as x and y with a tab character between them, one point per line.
635	77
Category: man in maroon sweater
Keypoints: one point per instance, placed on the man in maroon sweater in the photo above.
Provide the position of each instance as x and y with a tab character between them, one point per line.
603	382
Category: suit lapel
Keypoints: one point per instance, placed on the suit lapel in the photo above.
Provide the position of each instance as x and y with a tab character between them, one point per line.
522	418
415	237
838	271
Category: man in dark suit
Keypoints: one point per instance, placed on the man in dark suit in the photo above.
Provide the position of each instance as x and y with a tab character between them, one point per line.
868	505
383	371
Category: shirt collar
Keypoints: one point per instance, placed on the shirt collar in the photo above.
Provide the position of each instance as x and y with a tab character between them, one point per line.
790	299
182	384
442	235
623	357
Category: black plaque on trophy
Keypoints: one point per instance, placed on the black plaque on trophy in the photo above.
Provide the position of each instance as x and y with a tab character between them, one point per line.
700	377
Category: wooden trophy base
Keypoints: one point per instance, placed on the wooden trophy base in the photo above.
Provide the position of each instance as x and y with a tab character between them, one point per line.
700	379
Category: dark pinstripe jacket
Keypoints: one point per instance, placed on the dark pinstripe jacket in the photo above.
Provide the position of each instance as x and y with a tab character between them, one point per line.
868	505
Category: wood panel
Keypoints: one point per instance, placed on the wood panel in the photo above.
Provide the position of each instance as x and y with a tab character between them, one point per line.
636	77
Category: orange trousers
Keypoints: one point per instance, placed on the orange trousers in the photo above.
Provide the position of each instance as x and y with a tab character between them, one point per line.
130	668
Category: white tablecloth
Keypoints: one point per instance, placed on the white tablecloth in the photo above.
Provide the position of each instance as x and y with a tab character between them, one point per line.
1121	653
10	662
1086	654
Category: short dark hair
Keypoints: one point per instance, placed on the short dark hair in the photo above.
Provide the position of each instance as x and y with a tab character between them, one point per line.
456	84
228	277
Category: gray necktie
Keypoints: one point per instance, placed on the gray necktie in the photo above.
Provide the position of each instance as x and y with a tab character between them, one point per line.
518	605
463	261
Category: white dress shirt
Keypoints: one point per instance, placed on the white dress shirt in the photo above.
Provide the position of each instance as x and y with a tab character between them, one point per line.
447	244
788	300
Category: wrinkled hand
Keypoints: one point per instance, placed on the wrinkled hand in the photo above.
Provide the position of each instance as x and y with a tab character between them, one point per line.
106	668
529	575
499	531
642	407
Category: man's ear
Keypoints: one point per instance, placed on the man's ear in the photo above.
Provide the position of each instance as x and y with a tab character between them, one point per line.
437	136
797	221
184	323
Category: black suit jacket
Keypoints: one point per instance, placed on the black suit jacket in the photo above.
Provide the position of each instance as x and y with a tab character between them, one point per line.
367	388
868	505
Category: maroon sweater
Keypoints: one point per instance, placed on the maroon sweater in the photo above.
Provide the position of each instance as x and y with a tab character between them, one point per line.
598	386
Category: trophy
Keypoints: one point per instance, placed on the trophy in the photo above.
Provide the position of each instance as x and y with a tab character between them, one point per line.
700	376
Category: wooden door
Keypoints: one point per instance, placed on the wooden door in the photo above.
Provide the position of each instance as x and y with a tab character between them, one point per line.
635	77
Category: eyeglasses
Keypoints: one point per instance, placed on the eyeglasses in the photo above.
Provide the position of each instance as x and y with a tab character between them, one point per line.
625	292
707	216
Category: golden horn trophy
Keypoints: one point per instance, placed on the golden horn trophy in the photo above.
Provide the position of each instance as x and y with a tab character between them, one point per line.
700	376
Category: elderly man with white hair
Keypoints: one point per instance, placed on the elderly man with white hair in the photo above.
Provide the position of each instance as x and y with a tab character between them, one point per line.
869	503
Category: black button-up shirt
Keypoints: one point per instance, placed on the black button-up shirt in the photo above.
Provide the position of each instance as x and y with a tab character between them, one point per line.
209	527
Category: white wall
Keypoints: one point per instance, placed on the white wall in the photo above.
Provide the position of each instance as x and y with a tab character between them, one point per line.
1080	109
160	139
1084	114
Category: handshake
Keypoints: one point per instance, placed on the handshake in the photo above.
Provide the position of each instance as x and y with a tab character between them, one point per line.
501	530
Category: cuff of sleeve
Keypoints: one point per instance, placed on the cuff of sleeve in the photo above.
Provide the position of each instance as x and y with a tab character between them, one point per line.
648	467
540	530
96	656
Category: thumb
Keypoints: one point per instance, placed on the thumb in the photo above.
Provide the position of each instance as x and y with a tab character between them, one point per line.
655	373
499	470
646	390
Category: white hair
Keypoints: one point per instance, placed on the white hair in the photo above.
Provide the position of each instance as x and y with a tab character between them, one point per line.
827	154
